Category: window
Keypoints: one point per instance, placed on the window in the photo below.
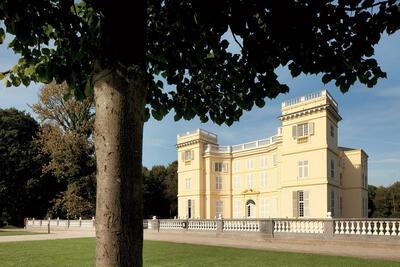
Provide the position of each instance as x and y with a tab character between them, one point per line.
236	166
332	203
302	130
220	167
274	159
264	179
303	168
236	208
301	204
341	178
364	174
187	155
219	208
189	209
187	183
341	206
249	164
249	181
264	162
218	182
332	169
264	208
332	131
236	182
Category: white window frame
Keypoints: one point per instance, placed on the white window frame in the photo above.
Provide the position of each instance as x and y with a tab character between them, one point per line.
249	164
236	208
219	209
236	166
263	181
302	130
303	203
220	167
264	162
250	181
236	182
264	208
303	168
218	182
187	183
274	159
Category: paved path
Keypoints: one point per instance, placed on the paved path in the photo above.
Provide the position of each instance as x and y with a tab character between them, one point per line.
369	250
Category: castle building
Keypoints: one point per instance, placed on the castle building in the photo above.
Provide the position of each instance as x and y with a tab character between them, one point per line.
299	172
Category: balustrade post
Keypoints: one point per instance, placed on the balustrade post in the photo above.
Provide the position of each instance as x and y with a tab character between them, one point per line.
220	225
329	228
266	228
154	224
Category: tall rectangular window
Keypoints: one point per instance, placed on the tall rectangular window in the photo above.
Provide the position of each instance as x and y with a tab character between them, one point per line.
332	203
264	162
219	208
332	169
218	182
264	208
332	131
249	164
236	166
303	168
301	203
236	182
264	179
341	206
274	159
249	181
187	183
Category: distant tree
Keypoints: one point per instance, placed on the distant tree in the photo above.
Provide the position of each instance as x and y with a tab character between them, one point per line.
22	188
66	138
121	49
171	188
384	202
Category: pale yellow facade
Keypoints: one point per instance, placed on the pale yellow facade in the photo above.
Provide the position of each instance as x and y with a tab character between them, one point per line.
299	172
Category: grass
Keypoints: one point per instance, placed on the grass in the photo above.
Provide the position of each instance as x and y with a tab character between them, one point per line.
80	252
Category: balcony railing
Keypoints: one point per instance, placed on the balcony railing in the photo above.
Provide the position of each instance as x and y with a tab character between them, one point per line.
309	97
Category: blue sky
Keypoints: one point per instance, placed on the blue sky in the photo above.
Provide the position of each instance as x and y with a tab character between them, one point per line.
371	117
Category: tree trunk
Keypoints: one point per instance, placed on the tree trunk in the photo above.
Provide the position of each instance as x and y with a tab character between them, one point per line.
118	141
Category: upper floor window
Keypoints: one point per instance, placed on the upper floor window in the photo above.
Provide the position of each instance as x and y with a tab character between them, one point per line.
249	164
249	181
218	182
303	168
332	131
332	169
187	183
236	182
264	179
236	166
264	162
302	130
341	178
220	167
187	155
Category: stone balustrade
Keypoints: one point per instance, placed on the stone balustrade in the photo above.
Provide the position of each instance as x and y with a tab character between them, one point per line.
241	225
299	226
385	227
313	228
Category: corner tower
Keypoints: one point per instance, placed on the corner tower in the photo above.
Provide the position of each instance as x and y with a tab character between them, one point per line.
310	155
191	183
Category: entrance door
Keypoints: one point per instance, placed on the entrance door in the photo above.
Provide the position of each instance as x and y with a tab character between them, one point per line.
250	209
189	208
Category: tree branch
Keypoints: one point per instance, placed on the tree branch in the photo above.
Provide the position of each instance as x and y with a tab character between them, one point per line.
370	6
234	37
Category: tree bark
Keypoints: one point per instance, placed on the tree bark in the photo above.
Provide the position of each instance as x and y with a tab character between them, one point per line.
118	135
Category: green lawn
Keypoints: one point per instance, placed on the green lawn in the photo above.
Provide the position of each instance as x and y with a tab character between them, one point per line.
80	252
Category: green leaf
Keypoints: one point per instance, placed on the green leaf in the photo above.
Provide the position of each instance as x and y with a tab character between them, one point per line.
1	76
